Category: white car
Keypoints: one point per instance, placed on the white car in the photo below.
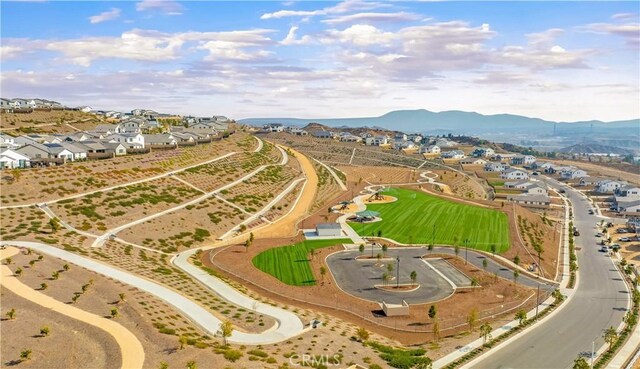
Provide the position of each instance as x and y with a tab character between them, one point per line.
624	239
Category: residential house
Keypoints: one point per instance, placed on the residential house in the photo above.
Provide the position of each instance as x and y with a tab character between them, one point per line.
60	152
321	134
348	137
628	190
7	141
445	142
160	139
273	127
495	167
79	152
115	148
133	125
34	150
524	160
377	141
608	186
10	159
537	201
85	109
431	149
453	154
483	152
130	140
520	185
505	158
573	173
414	138
632	205
590	181
184	137
19	104
512	173
473	161
536	189
400	136
108	129
298	131
5	105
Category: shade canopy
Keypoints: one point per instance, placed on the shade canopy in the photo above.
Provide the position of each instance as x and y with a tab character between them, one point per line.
368	214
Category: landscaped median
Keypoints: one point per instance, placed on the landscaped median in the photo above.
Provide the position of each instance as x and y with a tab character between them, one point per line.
290	264
419	218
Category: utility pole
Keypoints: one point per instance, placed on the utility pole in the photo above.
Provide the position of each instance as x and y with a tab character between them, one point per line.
398	272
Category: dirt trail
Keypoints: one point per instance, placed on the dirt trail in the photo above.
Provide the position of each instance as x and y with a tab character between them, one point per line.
130	347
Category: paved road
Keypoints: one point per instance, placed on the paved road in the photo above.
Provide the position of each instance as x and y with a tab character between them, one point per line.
600	301
359	282
288	325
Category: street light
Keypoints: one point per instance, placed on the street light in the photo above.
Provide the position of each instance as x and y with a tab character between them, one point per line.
466	250
398	272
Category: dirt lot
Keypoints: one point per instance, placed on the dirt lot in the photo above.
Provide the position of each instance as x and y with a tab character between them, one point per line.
606	170
46	121
46	184
105	210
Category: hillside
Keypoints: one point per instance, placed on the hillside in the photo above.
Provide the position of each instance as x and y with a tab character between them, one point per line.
55	121
468	123
593	148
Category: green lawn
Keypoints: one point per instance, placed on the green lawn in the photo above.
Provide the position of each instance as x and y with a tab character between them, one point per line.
411	220
290	264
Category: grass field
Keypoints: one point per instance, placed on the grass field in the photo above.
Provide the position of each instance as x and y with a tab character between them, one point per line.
290	264
411	220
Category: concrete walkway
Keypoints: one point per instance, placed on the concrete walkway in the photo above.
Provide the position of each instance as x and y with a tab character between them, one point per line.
190	309
627	351
287	323
130	347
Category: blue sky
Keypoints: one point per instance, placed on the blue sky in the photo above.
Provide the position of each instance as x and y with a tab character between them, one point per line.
555	60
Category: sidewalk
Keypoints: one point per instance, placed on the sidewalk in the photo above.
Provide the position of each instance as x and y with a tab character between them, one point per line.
625	353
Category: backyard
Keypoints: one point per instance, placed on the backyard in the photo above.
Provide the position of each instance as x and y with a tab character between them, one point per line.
290	264
414	217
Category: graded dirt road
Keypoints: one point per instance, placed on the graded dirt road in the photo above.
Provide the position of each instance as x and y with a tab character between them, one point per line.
130	347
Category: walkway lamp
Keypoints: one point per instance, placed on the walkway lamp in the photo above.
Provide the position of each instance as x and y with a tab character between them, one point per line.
398	272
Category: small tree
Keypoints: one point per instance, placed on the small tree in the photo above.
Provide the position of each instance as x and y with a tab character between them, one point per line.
251	237
66	267
11	314
54	223
8	261
610	336
43	286
32	263
472	319
121	297
516	260
521	316
494	248
114	313
433	312
225	331
430	247
192	365
25	355
362	334
558	296
44	331
456	249
55	275
379	256
312	252
414	277
18	272
85	287
390	268
581	363
247	243
182	340
385	278
516	274
485	332
323	271
485	264
436	329
163	365
384	250
361	249
75	298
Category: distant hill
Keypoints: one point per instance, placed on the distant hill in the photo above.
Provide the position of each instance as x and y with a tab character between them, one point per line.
460	122
592	148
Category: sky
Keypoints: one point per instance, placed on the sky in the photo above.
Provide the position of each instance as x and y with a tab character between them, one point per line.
563	61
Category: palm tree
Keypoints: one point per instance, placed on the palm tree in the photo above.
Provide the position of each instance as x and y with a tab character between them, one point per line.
226	329
44	331
610	336
323	271
430	247
472	319
379	256
414	277
312	252
581	363
485	332
11	314
521	316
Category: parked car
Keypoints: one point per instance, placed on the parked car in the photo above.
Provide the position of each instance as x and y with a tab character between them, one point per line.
604	249
535	173
576	233
614	245
599	235
622	230
561	190
591	211
624	239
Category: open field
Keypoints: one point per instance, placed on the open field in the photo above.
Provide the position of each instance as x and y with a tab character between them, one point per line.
290	263
210	176
412	218
41	121
47	184
100	211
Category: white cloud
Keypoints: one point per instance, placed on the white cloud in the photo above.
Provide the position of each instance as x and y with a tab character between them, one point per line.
112	14
629	31
292	39
10	52
373	18
360	35
343	7
168	7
